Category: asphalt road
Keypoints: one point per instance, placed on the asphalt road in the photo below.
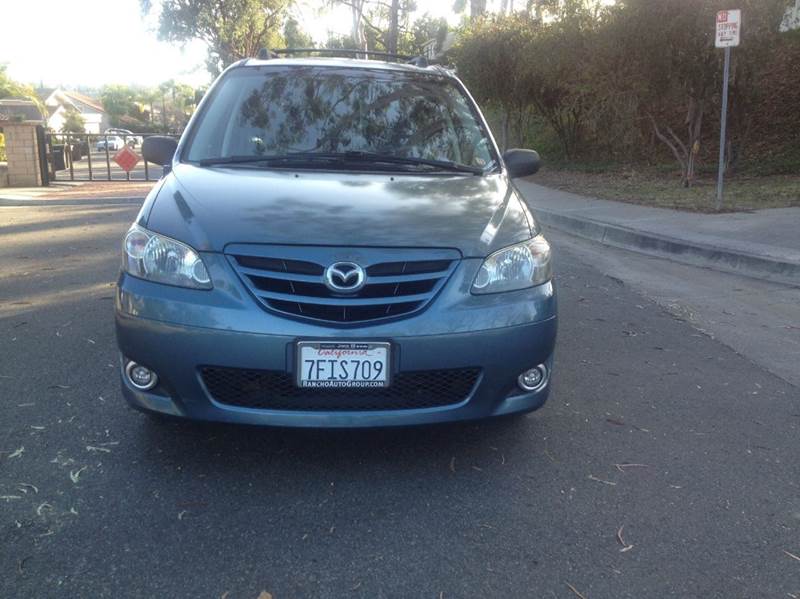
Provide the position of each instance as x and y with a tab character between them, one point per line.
664	465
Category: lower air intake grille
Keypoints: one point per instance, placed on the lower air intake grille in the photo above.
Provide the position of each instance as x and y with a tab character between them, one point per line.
275	390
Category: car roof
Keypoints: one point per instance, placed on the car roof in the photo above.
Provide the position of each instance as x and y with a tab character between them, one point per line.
348	63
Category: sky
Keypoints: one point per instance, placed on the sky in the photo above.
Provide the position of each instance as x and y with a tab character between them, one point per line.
91	43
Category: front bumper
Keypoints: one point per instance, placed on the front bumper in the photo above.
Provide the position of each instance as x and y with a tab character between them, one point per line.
503	335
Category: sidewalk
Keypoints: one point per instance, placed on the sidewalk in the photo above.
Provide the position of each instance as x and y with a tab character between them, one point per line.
75	192
764	244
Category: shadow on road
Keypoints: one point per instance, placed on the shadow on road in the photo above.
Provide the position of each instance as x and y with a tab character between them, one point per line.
228	448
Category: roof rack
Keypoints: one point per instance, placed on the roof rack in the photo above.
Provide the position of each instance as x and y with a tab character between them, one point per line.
419	61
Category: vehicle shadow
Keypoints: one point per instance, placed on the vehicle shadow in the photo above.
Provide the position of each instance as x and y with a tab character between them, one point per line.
230	449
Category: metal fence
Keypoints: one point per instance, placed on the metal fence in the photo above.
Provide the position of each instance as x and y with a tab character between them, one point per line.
90	157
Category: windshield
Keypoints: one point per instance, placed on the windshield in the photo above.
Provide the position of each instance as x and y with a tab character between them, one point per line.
276	111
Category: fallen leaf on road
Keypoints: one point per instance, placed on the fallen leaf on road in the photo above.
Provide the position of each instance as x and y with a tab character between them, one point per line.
42	507
621	467
264	595
74	475
94	448
792	555
16	453
625	546
21	564
25	486
600	480
576	591
10	497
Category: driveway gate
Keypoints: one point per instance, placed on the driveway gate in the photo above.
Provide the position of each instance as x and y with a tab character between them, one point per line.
91	157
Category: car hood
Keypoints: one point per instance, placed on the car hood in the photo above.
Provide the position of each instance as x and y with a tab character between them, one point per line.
210	208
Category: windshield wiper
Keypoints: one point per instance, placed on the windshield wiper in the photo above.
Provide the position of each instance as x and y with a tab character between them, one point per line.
341	157
255	159
359	156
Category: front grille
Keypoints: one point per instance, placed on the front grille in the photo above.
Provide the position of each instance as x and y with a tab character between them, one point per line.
275	390
296	287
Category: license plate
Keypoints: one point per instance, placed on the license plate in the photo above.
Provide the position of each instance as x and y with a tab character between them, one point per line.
336	364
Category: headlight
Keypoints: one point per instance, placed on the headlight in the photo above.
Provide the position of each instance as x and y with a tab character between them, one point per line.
516	267
154	257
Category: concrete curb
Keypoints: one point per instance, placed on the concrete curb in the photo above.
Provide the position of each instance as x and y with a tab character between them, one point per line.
696	254
16	202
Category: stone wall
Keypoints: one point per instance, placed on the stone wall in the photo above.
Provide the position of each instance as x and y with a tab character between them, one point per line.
22	153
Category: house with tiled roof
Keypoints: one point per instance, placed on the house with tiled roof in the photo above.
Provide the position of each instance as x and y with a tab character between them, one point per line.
60	101
12	109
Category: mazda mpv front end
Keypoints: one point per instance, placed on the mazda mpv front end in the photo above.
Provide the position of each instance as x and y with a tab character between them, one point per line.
336	243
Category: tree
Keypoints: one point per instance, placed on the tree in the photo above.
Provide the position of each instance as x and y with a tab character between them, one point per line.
477	8
294	36
677	71
394	26
233	29
13	89
519	64
357	34
146	99
118	100
377	25
422	30
73	121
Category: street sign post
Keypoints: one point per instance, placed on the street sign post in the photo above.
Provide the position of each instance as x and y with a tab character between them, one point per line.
729	28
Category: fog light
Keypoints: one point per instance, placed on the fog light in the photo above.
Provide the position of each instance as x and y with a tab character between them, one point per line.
533	379
141	377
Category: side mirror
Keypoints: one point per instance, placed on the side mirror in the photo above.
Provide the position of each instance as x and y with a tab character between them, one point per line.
159	149
521	163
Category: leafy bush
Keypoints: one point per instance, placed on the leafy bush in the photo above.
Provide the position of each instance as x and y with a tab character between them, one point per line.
634	81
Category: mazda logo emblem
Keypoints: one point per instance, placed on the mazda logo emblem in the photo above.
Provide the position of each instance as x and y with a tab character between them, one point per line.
345	277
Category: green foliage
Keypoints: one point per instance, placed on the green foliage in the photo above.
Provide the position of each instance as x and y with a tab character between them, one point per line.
118	100
73	122
13	89
132	106
341	42
372	27
233	29
422	30
294	36
637	80
526	68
